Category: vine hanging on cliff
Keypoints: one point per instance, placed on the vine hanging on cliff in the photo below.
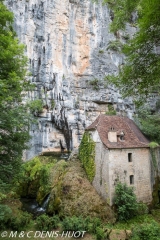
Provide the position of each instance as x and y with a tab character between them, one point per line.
87	155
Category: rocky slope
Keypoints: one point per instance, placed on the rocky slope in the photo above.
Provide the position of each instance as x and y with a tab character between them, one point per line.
69	51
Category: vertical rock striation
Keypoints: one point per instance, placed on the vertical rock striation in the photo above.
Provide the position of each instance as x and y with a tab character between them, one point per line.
67	47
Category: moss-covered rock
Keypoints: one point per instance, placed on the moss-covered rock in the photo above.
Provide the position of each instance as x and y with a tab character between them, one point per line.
73	194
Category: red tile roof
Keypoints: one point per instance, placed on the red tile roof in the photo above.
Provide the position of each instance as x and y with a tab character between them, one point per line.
133	137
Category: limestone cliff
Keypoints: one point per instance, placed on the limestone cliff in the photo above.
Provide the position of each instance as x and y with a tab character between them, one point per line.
67	47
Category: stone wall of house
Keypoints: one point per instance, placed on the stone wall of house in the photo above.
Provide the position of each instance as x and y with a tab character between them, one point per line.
140	168
112	165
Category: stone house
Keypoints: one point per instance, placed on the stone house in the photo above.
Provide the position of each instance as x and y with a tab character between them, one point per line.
121	153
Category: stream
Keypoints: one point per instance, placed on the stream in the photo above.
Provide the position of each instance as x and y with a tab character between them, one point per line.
31	206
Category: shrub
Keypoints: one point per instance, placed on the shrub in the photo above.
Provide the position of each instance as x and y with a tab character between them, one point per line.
101	51
95	84
114	45
19	222
36	105
146	231
111	110
100	233
74	224
125	202
52	103
142	208
46	223
5	215
92	224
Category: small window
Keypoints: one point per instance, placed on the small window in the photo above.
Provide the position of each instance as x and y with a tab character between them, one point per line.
121	138
129	157
131	177
112	128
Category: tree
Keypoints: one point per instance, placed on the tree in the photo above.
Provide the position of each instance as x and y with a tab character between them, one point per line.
14	118
139	76
149	123
125	202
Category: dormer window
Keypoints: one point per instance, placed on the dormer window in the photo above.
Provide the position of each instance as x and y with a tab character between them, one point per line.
112	128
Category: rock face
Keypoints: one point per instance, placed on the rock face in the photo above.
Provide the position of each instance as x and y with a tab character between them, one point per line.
67	44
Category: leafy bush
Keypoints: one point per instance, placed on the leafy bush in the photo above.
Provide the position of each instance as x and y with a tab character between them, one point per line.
125	202
149	124
5	215
100	233
101	51
7	219
46	223
114	45
74	224
92	224
36	106
33	180
146	231
142	208
111	111
19	222
95	84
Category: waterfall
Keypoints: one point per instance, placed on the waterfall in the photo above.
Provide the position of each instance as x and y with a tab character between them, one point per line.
43	208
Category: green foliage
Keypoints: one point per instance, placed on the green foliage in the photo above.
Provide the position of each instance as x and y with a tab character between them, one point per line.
142	208
19	222
5	215
95	84
87	155
114	45
74	224
125	202
153	145
36	106
101	51
111	110
100	234
140	74
7	219
149	124
52	103
46	223
122	10
90	225
146	231
33	180
14	117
